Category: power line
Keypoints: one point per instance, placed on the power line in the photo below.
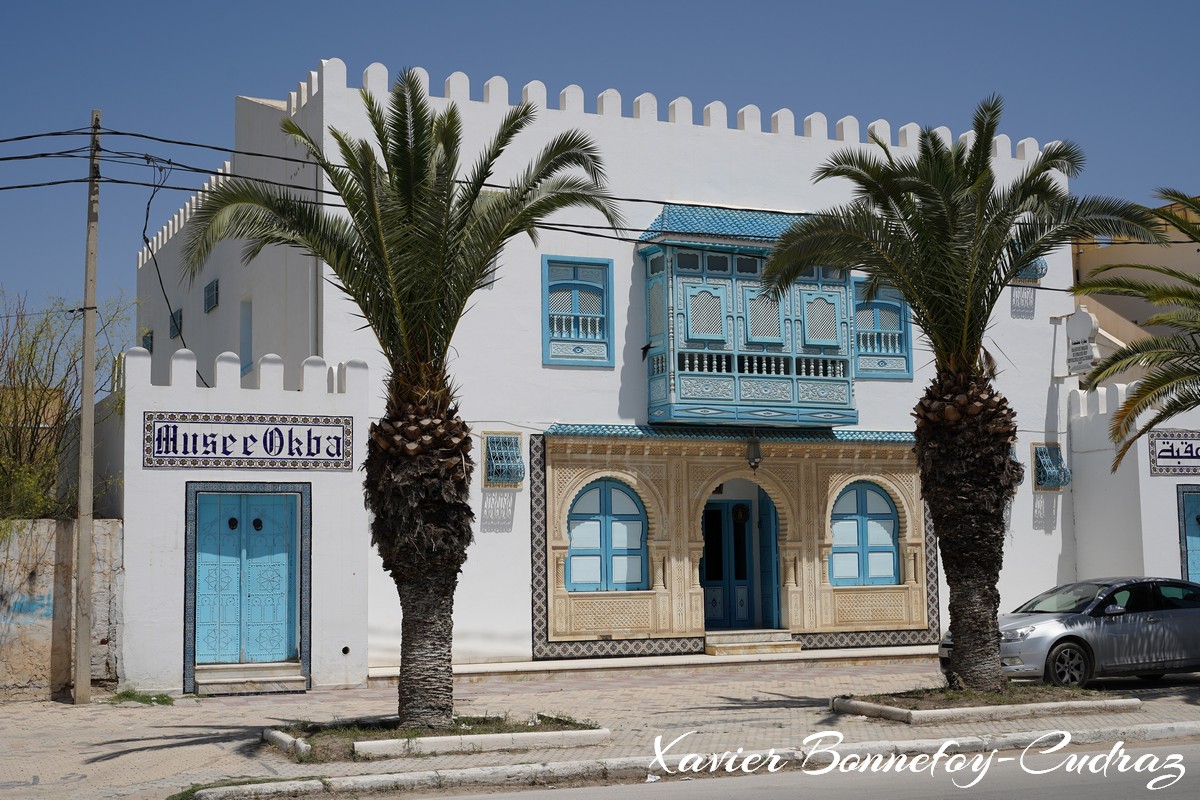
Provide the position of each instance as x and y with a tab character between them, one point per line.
28	136
40	185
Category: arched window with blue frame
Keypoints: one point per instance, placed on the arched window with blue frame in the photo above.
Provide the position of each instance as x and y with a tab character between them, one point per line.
606	527
865	545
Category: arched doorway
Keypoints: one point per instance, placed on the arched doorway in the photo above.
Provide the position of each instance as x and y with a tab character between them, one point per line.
739	568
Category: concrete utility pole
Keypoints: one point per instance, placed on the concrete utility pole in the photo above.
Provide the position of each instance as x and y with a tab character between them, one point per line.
87	433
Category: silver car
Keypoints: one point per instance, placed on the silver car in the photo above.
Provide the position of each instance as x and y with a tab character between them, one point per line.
1108	626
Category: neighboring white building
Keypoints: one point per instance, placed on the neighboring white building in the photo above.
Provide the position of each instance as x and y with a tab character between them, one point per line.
619	387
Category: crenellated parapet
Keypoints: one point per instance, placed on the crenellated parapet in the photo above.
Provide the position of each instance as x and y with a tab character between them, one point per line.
176	223
1090	415
316	375
645	110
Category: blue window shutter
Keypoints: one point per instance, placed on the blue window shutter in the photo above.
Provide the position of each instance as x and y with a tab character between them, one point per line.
705	308
866	519
503	466
764	324
608	537
822	318
210	295
148	340
176	323
577	319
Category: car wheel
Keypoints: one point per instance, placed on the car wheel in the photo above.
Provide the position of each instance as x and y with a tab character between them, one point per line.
1152	676
1069	664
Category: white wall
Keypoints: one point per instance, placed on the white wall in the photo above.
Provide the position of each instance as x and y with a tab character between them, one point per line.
154	512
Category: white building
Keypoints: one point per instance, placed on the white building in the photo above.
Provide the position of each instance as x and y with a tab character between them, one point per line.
618	387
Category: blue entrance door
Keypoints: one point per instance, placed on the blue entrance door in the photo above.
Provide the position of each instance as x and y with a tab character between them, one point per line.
246	598
725	566
1191	535
768	560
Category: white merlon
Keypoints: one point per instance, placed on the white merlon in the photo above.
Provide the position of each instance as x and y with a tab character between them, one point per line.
967	139
679	112
816	126
1027	149
458	87
783	122
847	130
1001	147
608	104
375	77
881	130
943	133
317	375
749	118
495	90
570	99
908	135
645	106
534	92
715	115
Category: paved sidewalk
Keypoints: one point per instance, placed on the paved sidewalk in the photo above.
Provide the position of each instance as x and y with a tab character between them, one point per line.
55	750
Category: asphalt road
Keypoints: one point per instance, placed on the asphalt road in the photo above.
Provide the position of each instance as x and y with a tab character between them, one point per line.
1165	771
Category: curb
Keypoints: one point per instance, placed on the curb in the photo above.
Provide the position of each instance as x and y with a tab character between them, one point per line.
479	743
846	705
642	766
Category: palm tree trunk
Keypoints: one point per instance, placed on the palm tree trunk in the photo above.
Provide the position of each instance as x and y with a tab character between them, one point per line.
418	478
965	431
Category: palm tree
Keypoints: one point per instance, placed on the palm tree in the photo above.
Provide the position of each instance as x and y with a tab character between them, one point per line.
413	244
943	231
1171	384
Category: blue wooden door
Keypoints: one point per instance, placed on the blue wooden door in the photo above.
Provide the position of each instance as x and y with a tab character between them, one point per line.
246	598
1191	535
768	560
725	566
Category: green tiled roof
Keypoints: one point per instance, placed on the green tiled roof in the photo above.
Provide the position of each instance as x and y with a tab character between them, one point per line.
723	223
724	433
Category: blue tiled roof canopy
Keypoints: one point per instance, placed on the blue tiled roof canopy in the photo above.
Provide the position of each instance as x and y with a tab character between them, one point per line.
723	433
677	221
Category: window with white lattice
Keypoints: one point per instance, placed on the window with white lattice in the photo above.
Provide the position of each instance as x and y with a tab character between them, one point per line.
577	311
763	323
706	307
821	318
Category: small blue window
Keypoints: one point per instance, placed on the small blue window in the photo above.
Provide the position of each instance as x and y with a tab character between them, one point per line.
148	340
882	335
1050	472
865	545
577	322
503	467
1033	272
607	531
210	295
176	323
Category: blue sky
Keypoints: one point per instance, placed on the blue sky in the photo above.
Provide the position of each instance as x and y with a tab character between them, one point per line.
1115	77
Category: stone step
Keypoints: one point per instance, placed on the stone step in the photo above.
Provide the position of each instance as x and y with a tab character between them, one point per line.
262	685
751	648
737	637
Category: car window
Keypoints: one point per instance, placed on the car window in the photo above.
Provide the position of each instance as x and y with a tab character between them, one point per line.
1134	598
1072	598
1178	595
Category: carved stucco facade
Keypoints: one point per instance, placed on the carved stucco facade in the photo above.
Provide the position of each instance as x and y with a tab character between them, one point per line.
676	478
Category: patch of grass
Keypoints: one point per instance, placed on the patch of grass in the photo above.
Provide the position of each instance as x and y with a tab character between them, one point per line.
126	695
1013	694
190	792
334	741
